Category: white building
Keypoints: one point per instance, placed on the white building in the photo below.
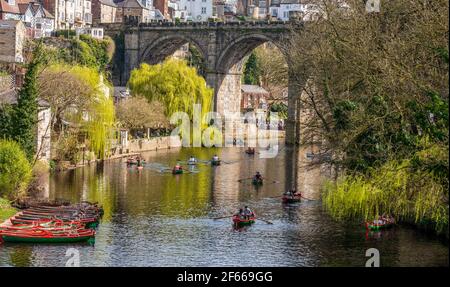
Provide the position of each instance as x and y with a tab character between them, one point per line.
196	10
70	14
37	19
283	9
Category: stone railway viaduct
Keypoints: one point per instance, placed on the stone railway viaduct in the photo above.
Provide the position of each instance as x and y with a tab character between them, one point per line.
223	46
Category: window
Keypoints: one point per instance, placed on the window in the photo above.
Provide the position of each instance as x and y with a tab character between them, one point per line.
203	10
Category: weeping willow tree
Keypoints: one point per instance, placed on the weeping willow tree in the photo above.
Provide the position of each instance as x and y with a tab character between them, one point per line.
174	84
81	98
100	111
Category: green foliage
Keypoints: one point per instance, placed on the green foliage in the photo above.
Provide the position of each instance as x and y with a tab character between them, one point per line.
65	33
24	118
6	211
252	72
85	51
196	60
100	110
15	170
6	113
279	108
395	188
174	84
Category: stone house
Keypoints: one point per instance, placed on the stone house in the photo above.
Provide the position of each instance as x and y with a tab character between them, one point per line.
132	10
253	98
104	11
9	10
12	40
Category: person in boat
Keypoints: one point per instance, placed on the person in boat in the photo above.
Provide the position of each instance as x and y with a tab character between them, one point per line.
258	176
240	213
192	159
250	150
247	212
178	167
215	158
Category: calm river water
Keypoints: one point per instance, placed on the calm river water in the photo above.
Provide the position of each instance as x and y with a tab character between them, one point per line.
153	218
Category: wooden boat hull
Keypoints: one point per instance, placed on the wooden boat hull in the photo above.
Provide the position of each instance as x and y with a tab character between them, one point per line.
257	181
250	152
179	171
377	227
237	221
287	199
32	239
215	162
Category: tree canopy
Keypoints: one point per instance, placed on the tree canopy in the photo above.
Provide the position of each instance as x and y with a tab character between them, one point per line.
174	84
138	113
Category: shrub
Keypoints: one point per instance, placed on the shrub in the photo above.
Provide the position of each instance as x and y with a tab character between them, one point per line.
15	170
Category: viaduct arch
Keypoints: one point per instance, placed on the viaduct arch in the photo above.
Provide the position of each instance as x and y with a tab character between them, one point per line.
223	47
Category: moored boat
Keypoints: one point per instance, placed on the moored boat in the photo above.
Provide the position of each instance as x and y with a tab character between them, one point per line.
47	236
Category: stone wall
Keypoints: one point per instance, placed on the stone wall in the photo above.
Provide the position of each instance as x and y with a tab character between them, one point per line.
12	39
6	82
141	145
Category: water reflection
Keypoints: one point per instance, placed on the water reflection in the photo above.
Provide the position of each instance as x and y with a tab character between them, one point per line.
154	218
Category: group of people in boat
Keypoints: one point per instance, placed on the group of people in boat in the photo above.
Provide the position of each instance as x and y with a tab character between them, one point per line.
384	219
292	193
245	213
138	160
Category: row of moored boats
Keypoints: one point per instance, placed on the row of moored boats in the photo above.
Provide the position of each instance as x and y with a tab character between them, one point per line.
46	223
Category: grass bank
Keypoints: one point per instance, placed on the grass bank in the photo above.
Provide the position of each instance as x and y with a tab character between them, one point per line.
6	210
397	188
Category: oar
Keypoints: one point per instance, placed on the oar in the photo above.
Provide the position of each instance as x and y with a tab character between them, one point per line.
239	180
266	221
215	218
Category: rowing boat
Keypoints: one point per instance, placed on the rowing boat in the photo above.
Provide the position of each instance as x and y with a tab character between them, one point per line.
291	199
87	222
240	221
383	224
215	162
257	181
177	171
47	236
250	151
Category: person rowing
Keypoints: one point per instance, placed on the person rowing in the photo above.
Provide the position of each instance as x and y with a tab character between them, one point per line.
215	158
250	150
258	176
192	160
247	212
292	193
178	167
240	213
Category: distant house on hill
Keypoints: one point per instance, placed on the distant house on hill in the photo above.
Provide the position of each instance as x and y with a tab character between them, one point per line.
12	40
253	98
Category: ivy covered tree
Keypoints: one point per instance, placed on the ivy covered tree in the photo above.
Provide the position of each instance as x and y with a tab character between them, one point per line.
24	117
251	71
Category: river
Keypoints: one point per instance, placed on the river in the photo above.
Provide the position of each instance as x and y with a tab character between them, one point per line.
154	218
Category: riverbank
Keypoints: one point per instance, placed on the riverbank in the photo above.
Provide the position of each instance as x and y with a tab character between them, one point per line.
6	210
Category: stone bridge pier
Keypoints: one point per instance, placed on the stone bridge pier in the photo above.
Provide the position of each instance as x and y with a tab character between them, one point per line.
224	48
